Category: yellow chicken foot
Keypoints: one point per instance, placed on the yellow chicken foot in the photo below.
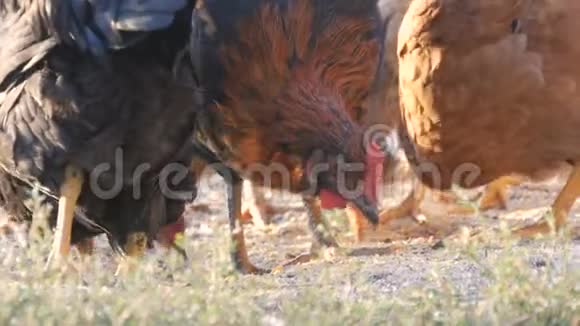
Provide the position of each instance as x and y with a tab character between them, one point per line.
135	248
69	193
560	208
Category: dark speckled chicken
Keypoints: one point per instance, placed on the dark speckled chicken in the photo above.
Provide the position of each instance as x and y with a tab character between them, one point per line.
96	86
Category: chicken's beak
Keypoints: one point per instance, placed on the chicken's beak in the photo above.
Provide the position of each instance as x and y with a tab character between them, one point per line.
367	208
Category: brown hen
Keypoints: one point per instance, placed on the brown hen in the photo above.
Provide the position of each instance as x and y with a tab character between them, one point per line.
495	194
489	88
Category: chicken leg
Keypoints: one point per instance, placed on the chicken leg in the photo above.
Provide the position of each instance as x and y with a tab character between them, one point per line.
234	198
136	244
495	194
316	223
560	208
69	193
255	208
240	253
408	207
322	237
134	248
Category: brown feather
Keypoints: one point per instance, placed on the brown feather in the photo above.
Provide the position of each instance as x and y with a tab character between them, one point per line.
291	87
474	91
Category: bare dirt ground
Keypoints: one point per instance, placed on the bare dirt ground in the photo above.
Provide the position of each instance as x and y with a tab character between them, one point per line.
391	265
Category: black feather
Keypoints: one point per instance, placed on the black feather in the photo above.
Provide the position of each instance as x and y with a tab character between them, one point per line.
58	106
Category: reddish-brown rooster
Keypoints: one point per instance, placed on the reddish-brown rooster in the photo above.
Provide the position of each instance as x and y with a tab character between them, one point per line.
284	80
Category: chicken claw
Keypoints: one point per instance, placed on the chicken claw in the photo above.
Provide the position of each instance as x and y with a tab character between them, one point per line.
560	208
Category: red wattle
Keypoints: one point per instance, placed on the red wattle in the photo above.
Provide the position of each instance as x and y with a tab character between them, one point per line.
331	200
374	173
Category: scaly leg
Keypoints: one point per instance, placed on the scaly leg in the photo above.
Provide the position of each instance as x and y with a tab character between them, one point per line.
322	238
316	223
70	191
255	208
135	248
358	223
495	194
234	198
240	253
560	208
409	207
136	244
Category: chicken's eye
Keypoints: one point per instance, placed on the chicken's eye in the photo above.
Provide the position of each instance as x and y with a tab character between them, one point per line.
285	147
516	26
